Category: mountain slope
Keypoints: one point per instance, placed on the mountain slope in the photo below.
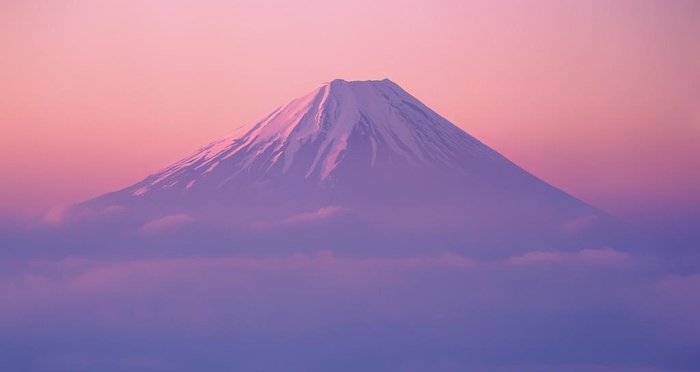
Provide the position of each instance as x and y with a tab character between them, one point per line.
365	146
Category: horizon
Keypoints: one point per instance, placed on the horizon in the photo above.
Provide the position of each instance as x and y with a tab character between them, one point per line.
662	216
676	215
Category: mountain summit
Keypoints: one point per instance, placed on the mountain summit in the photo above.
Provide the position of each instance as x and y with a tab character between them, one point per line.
363	146
372	123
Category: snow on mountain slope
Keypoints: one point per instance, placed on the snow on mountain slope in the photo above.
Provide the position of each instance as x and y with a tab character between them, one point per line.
326	118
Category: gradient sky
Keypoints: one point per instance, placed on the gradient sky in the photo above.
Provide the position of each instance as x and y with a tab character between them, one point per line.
600	97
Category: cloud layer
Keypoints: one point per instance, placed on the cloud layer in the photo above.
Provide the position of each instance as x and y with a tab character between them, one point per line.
597	309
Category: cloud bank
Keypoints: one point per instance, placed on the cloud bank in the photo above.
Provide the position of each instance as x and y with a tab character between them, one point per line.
597	309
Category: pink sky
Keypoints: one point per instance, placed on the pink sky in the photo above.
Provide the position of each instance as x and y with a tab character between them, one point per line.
600	98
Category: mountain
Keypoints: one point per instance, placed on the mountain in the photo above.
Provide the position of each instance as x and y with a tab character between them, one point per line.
362	148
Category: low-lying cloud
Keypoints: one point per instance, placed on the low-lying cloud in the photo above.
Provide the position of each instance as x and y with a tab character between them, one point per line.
166	223
597	309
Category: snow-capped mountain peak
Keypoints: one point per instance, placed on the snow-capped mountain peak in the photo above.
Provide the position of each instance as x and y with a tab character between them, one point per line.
327	119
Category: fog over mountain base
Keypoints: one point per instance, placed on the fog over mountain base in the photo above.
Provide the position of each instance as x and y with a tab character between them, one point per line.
322	293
